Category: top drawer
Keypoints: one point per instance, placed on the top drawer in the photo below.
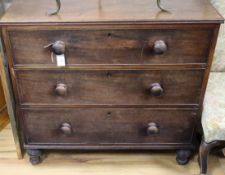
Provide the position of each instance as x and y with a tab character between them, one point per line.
111	46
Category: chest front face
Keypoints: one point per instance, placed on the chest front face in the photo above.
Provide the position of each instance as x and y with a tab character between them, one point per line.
108	83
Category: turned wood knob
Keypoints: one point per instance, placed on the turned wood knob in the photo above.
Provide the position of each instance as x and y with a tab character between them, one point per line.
156	89
59	47
61	89
66	129
159	47
152	129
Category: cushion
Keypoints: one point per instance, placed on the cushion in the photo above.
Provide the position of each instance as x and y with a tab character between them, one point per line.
213	116
219	57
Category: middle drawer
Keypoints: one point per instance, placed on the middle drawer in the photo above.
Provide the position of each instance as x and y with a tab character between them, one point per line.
109	87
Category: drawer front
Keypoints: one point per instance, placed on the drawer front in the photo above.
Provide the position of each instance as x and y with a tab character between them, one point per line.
107	126
111	87
111	46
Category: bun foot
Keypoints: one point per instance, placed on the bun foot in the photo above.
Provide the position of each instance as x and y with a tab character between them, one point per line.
35	160
35	156
183	156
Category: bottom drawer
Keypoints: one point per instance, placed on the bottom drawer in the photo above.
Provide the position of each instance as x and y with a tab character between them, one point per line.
107	126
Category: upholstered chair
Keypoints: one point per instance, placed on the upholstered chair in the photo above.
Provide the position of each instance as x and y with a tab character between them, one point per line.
213	116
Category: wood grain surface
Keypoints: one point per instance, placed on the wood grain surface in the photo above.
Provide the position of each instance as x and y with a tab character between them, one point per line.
33	11
110	87
119	126
95	163
120	71
111	46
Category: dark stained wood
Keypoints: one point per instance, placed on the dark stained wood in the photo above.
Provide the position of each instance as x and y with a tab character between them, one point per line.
35	156
112	147
66	129
153	128
118	46
156	89
183	156
159	46
107	126
61	89
135	77
204	151
58	47
112	87
77	11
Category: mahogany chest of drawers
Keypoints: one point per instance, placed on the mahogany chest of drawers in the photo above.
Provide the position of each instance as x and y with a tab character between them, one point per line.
134	77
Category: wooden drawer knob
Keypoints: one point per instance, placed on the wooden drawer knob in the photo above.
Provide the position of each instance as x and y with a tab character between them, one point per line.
159	47
61	89
66	129
152	129
59	47
156	89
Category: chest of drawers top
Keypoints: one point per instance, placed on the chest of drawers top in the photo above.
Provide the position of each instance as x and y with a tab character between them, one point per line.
117	11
